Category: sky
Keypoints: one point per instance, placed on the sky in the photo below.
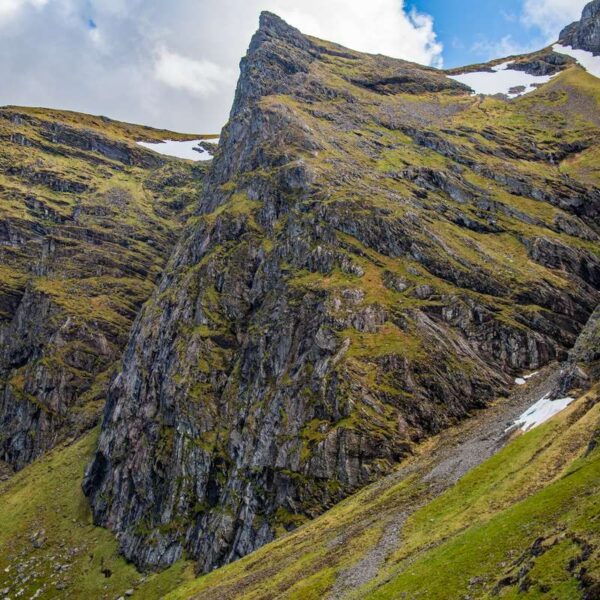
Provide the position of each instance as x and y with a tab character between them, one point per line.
174	63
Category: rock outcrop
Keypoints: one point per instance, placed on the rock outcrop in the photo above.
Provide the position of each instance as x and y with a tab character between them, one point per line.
373	258
582	368
584	34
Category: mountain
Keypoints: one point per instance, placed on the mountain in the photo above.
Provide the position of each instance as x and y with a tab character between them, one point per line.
376	254
88	219
322	352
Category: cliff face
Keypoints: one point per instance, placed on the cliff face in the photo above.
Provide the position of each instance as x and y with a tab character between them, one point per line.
376	253
584	34
87	220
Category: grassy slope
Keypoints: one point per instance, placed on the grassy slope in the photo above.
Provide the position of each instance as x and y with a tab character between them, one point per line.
541	485
563	111
126	131
564	516
544	486
46	497
131	212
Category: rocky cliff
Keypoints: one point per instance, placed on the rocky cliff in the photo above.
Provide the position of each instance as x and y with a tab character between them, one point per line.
87	221
584	34
376	253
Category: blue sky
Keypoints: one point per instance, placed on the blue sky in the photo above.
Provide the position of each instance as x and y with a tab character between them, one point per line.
472	31
468	29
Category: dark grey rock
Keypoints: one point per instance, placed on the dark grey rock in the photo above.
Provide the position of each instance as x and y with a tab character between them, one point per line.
584	34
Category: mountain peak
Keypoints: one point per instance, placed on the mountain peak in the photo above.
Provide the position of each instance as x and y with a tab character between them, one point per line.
274	27
584	34
271	21
591	10
277	51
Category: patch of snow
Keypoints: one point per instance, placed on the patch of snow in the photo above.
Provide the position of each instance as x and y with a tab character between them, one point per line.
503	66
586	59
523	379
540	412
179	149
501	81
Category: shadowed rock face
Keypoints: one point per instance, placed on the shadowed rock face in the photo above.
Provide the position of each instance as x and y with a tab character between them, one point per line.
373	258
584	34
87	221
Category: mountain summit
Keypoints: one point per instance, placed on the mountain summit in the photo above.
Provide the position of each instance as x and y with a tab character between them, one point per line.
376	254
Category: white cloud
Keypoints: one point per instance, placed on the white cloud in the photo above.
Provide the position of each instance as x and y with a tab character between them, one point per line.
507	46
11	8
377	26
550	16
174	65
198	77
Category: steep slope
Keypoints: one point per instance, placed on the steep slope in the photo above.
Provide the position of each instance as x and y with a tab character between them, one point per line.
377	252
87	220
51	548
480	511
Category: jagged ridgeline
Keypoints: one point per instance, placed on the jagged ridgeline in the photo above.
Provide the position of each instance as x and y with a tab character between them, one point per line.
376	253
87	221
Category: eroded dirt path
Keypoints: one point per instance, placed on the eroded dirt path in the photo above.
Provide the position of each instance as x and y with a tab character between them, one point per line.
440	463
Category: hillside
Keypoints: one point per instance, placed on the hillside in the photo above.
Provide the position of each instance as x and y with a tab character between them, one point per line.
88	219
356	355
377	253
522	524
485	509
478	508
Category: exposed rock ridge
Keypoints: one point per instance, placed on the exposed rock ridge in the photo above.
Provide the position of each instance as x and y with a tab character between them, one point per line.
582	368
584	34
221	485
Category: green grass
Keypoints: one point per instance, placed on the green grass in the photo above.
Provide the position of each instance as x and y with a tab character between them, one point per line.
46	497
488	549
